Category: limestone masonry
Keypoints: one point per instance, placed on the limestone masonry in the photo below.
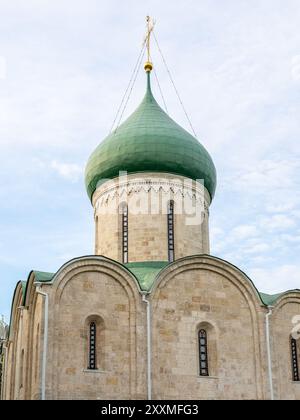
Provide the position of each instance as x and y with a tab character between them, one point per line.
152	314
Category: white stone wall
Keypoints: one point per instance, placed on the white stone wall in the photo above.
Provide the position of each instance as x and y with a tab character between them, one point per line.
147	197
281	325
207	294
195	291
87	289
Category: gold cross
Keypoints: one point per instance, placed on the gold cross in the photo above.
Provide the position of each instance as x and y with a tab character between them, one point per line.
150	25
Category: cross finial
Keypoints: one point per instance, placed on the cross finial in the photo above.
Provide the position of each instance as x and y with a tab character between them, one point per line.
150	25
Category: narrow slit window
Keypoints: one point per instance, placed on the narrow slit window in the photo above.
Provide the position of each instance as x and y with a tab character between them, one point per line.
92	346
295	363
203	353
22	369
96	234
125	233
37	353
171	253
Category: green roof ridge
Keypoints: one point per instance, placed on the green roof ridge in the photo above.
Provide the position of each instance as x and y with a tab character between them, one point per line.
23	283
146	272
269	299
43	276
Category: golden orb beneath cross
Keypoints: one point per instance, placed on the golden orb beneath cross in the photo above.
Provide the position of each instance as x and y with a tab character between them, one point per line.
148	66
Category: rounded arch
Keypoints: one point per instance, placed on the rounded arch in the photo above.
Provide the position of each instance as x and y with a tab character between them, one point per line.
29	289
112	273
118	271
250	300
284	326
214	264
17	302
291	296
94	317
15	336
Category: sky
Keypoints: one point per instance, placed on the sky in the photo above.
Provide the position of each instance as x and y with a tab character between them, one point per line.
64	67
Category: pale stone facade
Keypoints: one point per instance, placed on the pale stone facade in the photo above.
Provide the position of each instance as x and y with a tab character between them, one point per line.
151	315
147	196
193	291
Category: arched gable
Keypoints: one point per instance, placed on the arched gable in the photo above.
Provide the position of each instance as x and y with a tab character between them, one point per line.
17	301
29	289
94	285
214	264
206	289
291	296
285	324
15	341
100	263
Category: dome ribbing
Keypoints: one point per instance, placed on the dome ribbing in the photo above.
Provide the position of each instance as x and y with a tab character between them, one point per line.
150	141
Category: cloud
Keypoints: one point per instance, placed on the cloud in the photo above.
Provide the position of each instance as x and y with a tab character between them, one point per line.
277	222
287	237
257	248
282	207
276	279
244	232
295	68
3	68
268	175
295	213
70	171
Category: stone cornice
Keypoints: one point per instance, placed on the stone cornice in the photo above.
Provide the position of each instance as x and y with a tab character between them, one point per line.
121	188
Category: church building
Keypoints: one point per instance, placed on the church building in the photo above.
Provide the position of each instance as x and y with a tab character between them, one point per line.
152	314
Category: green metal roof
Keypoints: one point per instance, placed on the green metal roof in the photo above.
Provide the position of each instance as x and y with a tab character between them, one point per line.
23	283
270	300
150	141
43	276
145	272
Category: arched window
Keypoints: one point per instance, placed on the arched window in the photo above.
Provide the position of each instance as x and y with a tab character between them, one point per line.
96	234
124	213
92	345
295	363
203	353
170	215
37	352
94	353
22	369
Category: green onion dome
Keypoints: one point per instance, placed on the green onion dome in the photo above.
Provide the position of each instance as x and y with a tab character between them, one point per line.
150	141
